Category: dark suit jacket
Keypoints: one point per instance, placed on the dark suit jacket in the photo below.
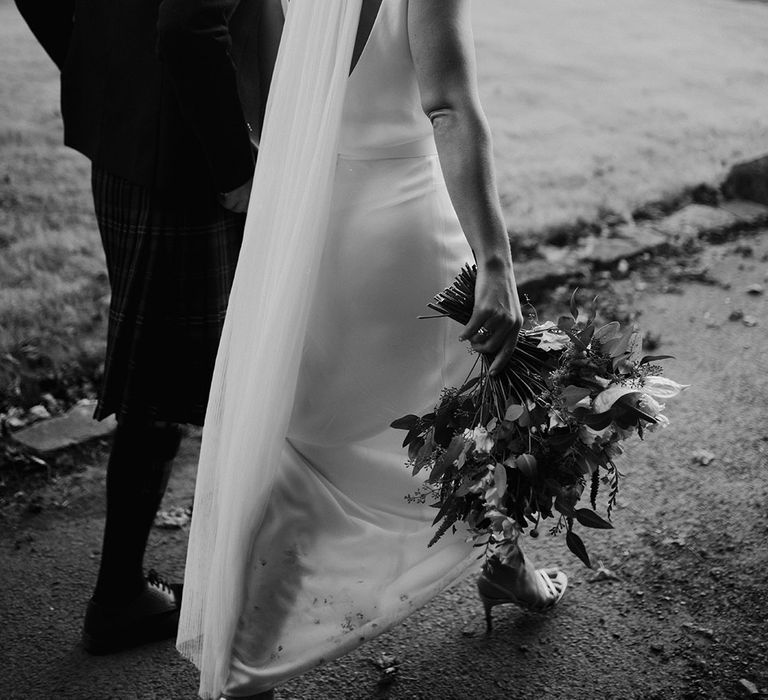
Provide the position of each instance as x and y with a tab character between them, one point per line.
148	88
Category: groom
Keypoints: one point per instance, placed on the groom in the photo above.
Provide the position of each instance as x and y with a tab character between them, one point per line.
149	93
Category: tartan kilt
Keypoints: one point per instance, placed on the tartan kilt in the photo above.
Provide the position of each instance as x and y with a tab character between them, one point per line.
170	263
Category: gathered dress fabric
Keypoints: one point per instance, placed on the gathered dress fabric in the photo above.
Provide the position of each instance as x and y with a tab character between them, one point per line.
339	553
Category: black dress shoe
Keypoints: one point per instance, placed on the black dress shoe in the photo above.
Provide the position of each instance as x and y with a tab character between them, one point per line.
152	616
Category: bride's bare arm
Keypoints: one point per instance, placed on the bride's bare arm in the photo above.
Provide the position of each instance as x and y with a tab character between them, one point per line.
443	51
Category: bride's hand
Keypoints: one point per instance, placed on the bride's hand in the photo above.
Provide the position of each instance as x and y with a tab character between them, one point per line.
497	317
237	200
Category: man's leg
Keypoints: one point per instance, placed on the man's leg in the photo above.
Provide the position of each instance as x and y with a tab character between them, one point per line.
127	609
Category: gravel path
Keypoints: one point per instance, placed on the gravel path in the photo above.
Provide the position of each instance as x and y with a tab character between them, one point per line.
684	619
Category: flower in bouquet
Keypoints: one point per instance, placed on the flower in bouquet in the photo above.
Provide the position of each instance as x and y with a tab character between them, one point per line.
502	453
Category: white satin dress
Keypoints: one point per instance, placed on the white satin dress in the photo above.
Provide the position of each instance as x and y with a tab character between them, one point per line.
341	556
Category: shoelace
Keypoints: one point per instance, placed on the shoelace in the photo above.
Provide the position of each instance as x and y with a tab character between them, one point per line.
154	579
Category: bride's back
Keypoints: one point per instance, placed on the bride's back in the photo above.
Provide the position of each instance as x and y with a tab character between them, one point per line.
382	111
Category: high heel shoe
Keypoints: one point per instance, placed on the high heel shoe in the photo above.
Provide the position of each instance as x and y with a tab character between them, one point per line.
493	592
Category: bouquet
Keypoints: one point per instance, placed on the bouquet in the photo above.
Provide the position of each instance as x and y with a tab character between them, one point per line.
505	452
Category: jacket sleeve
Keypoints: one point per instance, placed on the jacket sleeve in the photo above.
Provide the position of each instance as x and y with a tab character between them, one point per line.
51	23
195	45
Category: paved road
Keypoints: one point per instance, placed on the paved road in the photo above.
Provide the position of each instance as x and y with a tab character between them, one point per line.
686	619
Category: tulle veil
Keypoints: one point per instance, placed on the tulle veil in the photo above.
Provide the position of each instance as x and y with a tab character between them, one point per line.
254	381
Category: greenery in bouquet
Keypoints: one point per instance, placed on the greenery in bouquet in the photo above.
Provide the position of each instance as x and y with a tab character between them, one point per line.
504	452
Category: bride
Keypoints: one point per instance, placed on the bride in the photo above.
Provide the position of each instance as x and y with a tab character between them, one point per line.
374	185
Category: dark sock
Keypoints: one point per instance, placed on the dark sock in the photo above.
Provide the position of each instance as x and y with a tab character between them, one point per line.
137	475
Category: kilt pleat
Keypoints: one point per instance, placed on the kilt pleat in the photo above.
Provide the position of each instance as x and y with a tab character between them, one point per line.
170	264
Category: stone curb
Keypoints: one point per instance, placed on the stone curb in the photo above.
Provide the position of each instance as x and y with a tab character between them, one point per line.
630	241
76	427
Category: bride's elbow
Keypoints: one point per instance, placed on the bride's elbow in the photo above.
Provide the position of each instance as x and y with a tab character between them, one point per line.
449	115
441	115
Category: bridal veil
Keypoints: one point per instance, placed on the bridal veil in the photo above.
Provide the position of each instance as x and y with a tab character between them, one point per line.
251	396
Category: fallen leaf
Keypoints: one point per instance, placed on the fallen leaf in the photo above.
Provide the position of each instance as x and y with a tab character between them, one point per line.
677	541
603	574
174	518
39	412
749	686
703	457
386	660
707	632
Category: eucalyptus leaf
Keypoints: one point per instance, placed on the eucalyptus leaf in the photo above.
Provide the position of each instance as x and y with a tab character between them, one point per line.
443	430
592	313
575	338
608	346
441	466
527	465
500	479
577	547
406	422
463	489
425	452
444	508
573	306
414	447
635	347
588	518
623	345
586	335
655	358
411	435
455	449
608	331
514	411
563	505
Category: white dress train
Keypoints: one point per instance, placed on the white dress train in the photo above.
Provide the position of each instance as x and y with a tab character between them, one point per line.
340	555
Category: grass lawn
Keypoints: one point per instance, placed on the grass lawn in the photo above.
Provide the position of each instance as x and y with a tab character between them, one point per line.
607	104
53	284
596	105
